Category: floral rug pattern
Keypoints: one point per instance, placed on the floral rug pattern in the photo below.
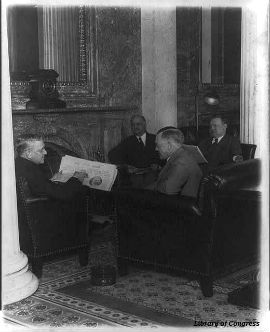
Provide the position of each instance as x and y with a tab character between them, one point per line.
176	296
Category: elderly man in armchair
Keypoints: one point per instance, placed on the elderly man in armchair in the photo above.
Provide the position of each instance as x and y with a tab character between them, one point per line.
31	152
52	217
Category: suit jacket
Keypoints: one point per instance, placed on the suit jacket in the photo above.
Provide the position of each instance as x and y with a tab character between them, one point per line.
181	174
221	153
130	152
39	184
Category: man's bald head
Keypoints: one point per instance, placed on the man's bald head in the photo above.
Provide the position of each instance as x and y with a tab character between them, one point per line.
168	141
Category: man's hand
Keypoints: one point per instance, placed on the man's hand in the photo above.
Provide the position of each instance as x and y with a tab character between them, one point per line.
238	158
131	169
155	167
80	176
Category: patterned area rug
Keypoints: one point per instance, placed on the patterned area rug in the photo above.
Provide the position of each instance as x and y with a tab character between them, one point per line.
141	299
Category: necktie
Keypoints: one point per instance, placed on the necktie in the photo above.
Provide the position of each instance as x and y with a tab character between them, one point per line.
141	142
215	141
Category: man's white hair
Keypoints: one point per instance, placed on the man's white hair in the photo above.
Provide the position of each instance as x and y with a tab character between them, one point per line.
174	135
24	143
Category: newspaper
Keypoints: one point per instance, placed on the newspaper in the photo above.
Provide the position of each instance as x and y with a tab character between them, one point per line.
99	175
196	153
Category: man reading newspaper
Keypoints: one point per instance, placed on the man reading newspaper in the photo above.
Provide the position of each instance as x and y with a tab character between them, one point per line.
100	176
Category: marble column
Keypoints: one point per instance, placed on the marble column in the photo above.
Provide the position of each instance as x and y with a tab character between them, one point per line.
17	281
254	113
254	77
159	70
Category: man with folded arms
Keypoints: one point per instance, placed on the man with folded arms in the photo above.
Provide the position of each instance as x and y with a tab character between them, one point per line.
220	148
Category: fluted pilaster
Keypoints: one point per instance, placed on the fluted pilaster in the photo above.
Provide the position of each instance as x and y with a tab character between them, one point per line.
254	77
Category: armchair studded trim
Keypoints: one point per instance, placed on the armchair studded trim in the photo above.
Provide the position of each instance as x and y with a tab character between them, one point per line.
47	226
24	200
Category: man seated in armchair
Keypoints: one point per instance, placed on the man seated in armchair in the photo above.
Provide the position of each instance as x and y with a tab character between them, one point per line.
31	152
161	224
220	148
52	217
181	173
136	154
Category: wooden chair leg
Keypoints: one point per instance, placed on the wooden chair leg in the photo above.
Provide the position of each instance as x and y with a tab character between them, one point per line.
206	284
122	266
37	265
83	256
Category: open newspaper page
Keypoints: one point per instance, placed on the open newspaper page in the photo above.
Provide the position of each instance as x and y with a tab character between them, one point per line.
99	175
196	153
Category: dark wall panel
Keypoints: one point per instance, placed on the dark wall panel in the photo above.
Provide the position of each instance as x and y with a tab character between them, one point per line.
23	36
188	22
120	65
232	45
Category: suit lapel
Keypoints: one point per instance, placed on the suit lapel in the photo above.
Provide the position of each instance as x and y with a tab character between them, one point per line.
136	142
147	140
222	144
223	141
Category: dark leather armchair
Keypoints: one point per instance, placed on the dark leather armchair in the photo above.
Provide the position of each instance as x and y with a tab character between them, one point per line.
248	150
173	234
48	227
168	233
232	203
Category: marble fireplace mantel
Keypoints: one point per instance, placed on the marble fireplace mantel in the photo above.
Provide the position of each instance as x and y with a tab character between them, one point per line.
90	132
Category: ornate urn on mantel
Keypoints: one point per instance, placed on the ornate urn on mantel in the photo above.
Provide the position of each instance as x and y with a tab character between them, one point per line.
43	92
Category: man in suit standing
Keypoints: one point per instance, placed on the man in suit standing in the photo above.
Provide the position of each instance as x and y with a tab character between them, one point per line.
220	148
137	152
181	173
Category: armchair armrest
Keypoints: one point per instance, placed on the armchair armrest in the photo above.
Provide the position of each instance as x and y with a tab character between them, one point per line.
236	176
154	200
31	200
26	194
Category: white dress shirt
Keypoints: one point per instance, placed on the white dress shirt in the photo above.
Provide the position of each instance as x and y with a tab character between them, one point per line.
219	139
143	138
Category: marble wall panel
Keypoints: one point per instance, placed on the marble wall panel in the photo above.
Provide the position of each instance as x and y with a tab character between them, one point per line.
189	85
90	133
119	47
188	21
